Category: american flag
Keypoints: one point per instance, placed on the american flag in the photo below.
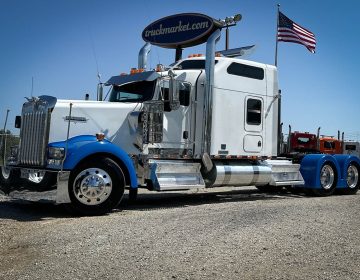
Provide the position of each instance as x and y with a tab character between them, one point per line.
289	31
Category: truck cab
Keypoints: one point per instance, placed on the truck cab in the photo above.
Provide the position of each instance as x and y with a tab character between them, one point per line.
330	145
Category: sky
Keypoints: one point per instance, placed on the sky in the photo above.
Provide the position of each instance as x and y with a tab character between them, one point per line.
62	45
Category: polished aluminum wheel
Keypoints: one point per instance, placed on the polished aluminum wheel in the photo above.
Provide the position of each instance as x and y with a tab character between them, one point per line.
327	177
36	177
352	178
5	172
92	186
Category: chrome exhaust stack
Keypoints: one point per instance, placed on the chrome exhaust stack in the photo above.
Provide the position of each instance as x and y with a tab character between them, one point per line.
143	56
209	71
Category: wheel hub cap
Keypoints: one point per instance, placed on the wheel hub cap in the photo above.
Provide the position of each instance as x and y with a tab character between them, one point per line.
352	177
327	177
92	186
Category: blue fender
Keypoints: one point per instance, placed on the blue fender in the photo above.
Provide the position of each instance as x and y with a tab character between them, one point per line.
344	162
80	147
311	166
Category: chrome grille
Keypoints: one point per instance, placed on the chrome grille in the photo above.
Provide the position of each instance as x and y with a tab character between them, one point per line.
34	133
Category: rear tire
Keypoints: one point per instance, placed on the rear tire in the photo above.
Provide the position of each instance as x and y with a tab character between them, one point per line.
328	180
96	187
352	180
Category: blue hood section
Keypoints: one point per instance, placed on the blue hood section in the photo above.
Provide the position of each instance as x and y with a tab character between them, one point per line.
80	147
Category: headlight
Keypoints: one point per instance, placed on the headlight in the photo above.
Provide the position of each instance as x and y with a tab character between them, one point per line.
56	153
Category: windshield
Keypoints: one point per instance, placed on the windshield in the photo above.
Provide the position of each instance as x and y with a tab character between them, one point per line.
192	64
133	92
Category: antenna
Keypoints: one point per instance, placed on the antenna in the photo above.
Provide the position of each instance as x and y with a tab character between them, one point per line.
94	54
32	87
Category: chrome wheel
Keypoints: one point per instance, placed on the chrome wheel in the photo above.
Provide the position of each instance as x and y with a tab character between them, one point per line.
92	186
352	178
36	177
327	177
5	172
96	186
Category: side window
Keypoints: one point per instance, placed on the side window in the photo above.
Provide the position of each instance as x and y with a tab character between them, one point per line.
350	147
247	71
184	93
329	145
253	112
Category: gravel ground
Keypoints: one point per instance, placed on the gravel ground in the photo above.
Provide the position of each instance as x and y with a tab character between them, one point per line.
232	233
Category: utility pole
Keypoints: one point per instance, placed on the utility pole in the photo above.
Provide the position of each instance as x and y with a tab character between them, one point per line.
6	118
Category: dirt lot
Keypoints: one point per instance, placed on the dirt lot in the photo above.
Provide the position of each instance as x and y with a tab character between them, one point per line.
228	233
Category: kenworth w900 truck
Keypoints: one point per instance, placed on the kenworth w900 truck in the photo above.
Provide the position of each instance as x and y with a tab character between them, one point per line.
207	121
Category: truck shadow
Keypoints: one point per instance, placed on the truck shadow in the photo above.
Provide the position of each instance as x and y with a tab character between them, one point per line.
150	201
24	211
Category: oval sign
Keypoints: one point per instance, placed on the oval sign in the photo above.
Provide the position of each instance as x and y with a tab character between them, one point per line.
180	30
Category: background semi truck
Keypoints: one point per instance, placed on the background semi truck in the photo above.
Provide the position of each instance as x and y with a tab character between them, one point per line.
204	121
301	143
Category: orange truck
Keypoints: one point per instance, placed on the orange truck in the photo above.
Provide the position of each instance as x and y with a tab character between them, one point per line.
305	143
331	145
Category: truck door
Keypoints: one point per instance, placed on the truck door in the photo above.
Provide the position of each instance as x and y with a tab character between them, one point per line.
253	139
177	125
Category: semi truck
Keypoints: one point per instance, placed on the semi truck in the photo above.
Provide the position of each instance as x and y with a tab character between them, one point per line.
202	122
351	148
301	143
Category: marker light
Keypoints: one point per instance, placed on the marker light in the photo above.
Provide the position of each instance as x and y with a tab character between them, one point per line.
100	136
133	71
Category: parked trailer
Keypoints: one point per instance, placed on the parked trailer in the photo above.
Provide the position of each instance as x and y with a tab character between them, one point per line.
206	121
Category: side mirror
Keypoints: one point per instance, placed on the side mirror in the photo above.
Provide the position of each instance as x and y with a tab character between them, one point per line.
18	122
173	91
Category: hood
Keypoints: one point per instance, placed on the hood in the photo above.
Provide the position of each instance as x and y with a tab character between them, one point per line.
114	119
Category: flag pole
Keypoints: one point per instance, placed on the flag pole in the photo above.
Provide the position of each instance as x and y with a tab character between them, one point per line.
276	34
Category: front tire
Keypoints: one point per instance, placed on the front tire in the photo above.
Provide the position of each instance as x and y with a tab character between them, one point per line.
328	180
96	187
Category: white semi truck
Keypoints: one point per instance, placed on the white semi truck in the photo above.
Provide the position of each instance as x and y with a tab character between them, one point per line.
206	121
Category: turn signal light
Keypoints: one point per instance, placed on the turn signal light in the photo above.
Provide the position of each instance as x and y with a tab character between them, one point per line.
100	136
195	55
133	71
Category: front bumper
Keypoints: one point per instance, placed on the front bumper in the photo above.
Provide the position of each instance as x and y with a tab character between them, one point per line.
25	190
